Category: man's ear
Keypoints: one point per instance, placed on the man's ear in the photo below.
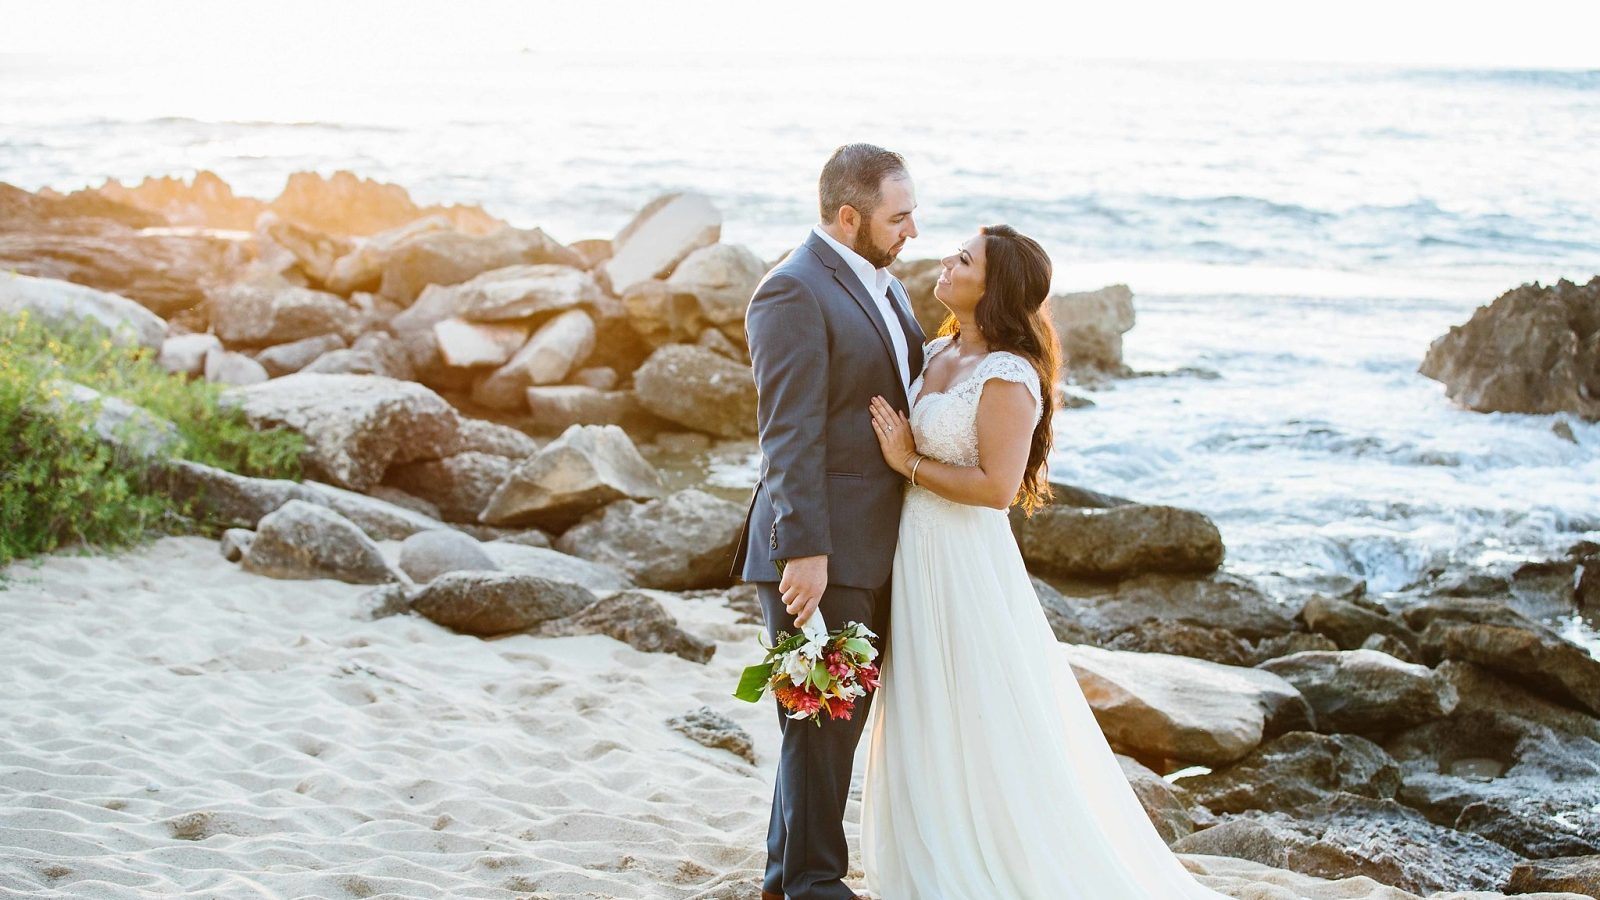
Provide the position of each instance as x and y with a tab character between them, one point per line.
849	221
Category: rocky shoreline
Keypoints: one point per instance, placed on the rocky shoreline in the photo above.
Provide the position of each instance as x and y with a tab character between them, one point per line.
530	421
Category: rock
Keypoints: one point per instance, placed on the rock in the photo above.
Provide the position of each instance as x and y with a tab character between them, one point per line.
185	354
1533	350
918	276
662	235
348	205
525	557
680	542
1289	644
555	408
355	426
223	498
707	727
374	353
1118	542
285	248
700	389
362	268
1157	707
460	485
558	347
1063	494
587	467
662	313
1419	616
525	292
490	603
205	202
260	315
1540	659
722	277
601	378
463	343
1350	624
1295	770
1347	836
1563	430
131	429
1364	691
1183	639
228	367
718	343
1062	614
594	251
483	436
638	620
1383	643
405	501
62	307
302	540
1222	601
1161	800
1578	874
235	543
1091	325
286	359
386	600
450	257
165	273
379	518
428	554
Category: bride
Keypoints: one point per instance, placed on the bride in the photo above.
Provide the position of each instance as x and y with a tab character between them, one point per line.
987	776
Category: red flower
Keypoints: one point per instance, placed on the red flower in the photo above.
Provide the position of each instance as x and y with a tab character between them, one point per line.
868	676
841	709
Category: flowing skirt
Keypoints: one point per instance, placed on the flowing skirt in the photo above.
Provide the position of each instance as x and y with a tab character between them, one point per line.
988	777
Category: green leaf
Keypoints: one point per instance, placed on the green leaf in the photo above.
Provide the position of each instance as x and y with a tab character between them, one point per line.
858	646
753	683
819	677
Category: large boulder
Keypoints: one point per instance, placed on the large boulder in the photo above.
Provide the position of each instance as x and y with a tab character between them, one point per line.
585	468
722	277
361	269
1160	708
513	554
698	388
1364	691
558	347
62	306
1533	350
1221	601
1090	325
662	313
460	485
1536	657
262	314
680	542
223	498
450	257
163	272
638	620
1296	769
303	540
355	426
1118	542
662	235
491	603
345	204
428	554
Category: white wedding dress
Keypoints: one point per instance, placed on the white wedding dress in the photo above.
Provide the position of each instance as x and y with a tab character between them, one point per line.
987	775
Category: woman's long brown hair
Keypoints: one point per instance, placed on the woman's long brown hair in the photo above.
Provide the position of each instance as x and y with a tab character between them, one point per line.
1012	315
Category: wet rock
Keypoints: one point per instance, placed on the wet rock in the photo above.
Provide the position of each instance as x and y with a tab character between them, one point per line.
587	467
1538	658
1297	769
428	554
61	306
700	389
1090	325
1062	614
638	620
1383	643
1118	542
1163	802
660	236
1222	601
303	540
286	359
1533	350
355	426
1156	707
460	485
1183	639
680	542
1576	874
1364	691
491	603
709	728
1350	624
1289	644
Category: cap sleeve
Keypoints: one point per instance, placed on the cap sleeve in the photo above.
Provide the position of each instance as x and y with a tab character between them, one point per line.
1011	367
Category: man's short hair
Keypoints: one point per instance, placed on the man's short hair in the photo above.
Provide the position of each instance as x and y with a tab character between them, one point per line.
853	176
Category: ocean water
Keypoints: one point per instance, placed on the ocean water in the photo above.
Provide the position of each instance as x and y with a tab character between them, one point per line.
1303	231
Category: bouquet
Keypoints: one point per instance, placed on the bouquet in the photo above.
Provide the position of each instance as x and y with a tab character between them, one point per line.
815	672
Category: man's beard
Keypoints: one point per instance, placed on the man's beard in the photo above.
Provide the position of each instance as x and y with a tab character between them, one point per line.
880	257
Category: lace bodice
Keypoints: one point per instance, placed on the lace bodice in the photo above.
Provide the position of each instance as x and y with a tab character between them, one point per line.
945	423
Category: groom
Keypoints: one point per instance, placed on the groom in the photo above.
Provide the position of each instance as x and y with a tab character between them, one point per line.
828	329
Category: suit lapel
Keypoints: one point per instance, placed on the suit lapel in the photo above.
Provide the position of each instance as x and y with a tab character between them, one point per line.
852	285
904	300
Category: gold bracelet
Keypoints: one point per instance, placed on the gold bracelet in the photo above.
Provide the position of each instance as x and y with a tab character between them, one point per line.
914	465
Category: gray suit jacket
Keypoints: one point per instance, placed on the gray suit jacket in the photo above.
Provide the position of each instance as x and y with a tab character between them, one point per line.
820	352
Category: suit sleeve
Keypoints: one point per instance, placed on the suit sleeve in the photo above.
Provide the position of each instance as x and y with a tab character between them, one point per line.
789	354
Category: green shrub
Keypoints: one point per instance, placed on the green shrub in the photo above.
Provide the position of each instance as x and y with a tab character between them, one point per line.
60	483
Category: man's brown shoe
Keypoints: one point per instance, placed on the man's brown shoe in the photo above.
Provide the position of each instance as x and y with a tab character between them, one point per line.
770	896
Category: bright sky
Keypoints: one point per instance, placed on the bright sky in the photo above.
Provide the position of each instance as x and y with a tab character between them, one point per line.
1524	33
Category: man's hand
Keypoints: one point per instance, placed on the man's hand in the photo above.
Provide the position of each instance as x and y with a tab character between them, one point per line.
803	581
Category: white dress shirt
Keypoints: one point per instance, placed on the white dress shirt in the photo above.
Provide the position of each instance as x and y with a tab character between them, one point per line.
876	281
